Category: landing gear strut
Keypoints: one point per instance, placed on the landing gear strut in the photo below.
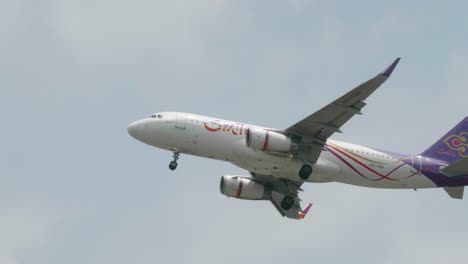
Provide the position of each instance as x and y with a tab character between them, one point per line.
305	171
173	164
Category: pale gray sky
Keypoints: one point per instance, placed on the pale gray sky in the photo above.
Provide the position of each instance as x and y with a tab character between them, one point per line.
76	188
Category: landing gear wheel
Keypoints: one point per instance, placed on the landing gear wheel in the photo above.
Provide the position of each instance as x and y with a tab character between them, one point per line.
173	165
287	202
305	171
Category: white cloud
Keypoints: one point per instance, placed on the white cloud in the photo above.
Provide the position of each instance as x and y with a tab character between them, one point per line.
457	80
98	28
5	259
26	229
418	248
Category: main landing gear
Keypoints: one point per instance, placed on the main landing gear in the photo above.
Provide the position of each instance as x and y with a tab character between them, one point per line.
305	171
173	164
287	202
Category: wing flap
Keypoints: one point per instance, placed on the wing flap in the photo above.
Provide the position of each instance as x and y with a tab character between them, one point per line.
281	188
278	207
295	210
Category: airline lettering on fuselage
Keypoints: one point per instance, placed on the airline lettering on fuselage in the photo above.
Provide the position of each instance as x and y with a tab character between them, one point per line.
216	125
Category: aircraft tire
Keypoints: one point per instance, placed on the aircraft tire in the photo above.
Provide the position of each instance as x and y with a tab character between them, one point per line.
173	165
287	202
305	171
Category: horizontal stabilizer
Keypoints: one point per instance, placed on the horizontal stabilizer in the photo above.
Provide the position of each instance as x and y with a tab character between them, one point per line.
455	192
456	169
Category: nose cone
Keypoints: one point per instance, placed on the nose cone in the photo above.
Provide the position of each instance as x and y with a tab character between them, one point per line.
134	129
142	130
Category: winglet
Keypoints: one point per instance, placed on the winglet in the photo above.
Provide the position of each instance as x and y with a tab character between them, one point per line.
304	212
390	68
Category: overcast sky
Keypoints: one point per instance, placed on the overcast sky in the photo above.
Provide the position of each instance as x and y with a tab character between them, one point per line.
76	188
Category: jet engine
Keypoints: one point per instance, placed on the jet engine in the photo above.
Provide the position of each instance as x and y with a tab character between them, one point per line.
243	188
269	141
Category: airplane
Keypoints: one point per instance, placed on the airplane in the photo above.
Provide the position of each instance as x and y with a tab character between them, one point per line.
281	160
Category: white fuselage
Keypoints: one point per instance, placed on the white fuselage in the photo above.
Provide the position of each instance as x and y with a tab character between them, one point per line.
226	140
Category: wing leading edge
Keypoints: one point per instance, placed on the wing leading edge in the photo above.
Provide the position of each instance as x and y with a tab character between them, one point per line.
314	131
319	126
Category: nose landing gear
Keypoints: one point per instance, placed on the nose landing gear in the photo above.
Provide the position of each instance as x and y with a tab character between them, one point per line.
173	164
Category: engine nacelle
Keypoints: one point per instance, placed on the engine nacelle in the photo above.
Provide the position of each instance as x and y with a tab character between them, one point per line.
243	188
269	141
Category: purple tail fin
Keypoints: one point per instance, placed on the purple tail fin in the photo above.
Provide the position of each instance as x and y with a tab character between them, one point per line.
451	147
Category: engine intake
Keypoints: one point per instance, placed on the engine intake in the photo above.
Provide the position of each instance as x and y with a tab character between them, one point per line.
269	141
243	188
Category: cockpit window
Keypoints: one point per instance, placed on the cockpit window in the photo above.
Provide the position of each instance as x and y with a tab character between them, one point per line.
156	116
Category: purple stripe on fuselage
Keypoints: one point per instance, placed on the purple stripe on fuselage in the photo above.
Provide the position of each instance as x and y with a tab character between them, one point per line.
392	171
430	168
345	162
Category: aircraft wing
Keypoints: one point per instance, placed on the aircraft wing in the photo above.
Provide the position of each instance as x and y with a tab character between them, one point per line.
281	188
319	126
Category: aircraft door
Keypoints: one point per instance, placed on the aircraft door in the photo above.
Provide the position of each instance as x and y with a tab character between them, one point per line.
181	120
